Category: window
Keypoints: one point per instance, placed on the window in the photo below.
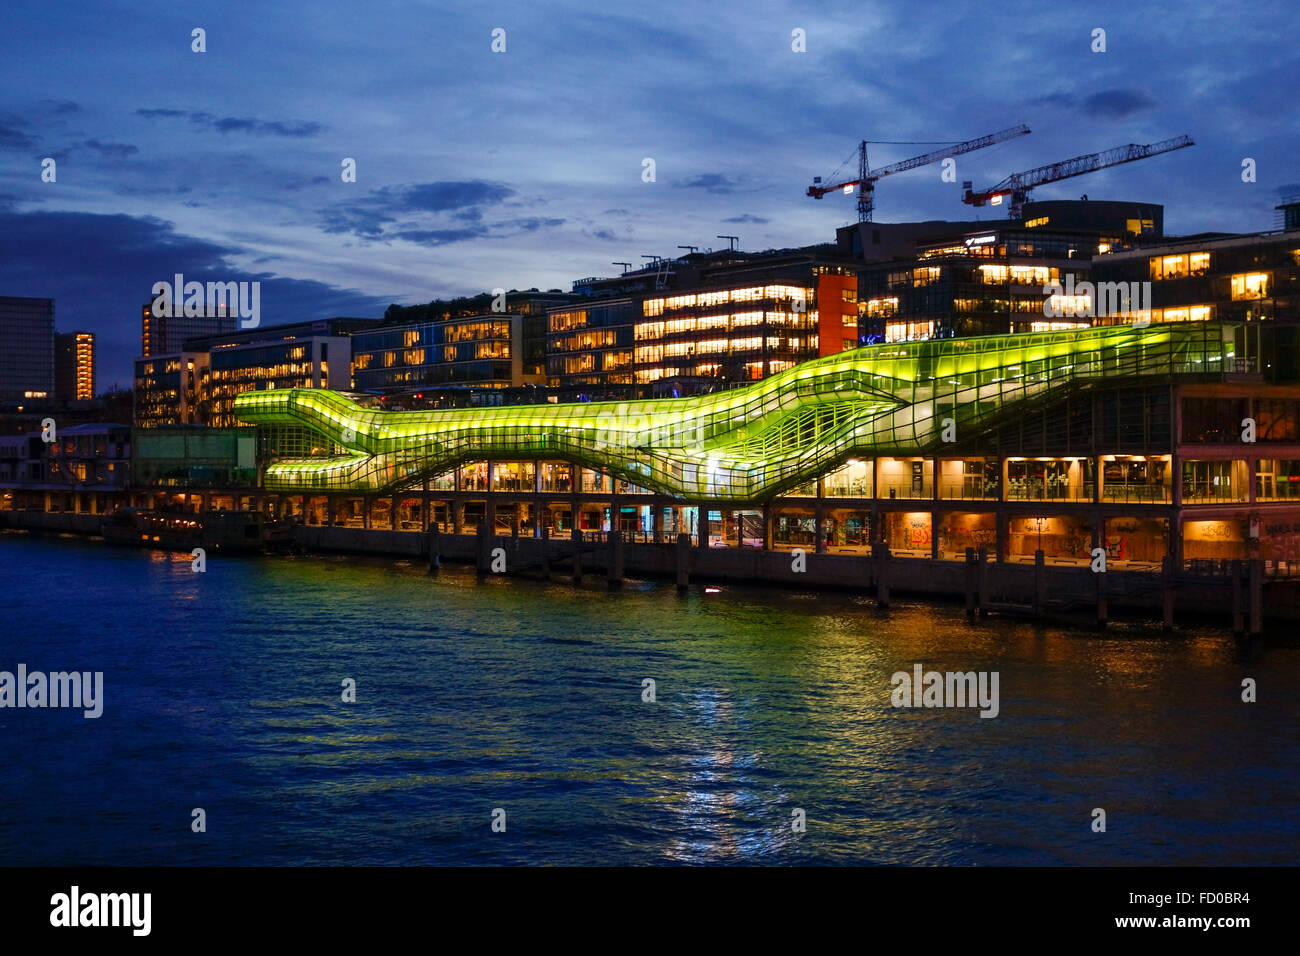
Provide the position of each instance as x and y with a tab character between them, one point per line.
908	331
1277	480
1250	285
882	307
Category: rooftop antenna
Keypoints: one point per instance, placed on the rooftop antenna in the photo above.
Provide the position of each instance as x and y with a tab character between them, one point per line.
625	265
732	241
689	249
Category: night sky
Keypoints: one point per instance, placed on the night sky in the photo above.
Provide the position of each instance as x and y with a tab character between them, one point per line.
478	169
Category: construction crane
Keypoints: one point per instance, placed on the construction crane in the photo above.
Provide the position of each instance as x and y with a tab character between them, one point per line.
1017	185
867	176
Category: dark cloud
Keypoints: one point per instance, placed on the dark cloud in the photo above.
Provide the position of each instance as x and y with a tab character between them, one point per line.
1110	104
63	107
746	217
532	224
443	196
605	234
13	135
236	124
710	182
438	237
111	150
1119	103
101	276
297	184
369	216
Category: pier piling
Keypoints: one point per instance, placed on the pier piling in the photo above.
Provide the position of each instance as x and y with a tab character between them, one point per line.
576	536
544	553
985	598
483	549
1103	608
880	556
1169	590
1238	574
1256	596
435	550
614	563
972	582
1040	581
683	561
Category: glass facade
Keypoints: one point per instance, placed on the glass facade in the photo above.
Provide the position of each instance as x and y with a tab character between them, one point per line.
496	350
26	349
891	402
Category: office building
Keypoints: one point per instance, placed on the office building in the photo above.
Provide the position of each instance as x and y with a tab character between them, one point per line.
1250	279
937	279
494	350
316	354
26	350
169	389
703	321
74	366
167	334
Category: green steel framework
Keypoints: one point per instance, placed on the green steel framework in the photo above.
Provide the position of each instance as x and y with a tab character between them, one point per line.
744	444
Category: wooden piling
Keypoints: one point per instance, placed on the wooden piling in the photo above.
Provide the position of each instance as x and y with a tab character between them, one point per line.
576	536
1040	581
972	582
483	549
986	597
881	558
614	563
544	553
1169	575
1238	575
683	561
1256	596
435	551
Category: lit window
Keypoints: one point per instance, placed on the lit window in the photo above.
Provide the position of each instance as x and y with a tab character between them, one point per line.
1250	285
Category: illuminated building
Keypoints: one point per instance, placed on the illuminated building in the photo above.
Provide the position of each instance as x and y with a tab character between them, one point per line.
166	335
491	350
74	366
1252	278
591	345
169	389
1115	437
314	354
702	321
26	350
938	279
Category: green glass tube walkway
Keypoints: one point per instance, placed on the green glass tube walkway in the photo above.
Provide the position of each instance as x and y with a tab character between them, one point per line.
744	444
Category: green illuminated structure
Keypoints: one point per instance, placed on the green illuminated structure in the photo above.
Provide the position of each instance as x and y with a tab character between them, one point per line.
745	444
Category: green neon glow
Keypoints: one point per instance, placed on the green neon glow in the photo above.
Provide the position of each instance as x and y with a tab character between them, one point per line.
745	444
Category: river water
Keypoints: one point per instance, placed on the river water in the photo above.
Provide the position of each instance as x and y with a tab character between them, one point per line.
222	691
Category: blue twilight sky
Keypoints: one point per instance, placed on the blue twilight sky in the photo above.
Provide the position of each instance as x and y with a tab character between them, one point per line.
478	169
